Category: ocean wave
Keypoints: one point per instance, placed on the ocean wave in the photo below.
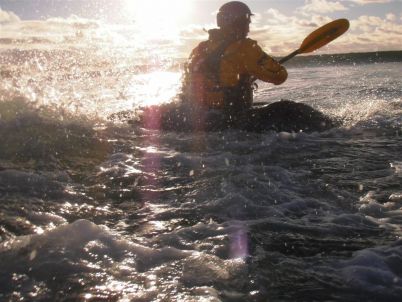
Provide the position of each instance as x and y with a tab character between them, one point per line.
129	263
374	273
42	137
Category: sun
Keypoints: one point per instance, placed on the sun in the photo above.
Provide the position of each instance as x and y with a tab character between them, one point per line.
157	19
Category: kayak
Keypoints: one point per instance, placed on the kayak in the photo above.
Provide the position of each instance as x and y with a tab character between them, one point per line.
280	116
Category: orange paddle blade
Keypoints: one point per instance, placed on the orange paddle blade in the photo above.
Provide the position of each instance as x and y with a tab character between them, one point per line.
324	35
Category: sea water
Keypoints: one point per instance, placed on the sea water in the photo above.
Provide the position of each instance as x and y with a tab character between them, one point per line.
95	209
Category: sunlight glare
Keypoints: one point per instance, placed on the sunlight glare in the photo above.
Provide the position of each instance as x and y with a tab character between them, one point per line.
155	88
157	19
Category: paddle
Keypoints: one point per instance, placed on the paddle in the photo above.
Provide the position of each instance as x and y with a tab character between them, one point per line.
320	37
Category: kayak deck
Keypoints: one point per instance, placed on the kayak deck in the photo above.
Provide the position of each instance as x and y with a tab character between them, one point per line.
280	116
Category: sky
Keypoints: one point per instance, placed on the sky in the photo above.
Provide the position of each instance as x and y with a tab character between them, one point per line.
179	25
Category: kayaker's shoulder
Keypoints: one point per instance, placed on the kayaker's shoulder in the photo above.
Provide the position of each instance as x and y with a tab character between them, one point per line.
250	42
202	45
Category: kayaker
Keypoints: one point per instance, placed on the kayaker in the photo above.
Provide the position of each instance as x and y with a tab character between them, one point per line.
221	71
218	84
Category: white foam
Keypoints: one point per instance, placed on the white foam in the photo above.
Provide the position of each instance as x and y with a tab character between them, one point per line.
70	236
375	270
397	166
287	136
396	197
385	214
201	269
45	218
75	236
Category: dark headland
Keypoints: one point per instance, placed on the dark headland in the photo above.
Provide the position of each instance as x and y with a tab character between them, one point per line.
323	59
345	59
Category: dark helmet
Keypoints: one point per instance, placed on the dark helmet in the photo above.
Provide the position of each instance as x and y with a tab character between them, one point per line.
233	12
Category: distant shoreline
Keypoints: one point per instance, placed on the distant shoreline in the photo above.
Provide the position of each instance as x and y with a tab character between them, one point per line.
321	60
346	58
300	61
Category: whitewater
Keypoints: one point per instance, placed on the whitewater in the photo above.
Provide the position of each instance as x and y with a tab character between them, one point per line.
93	208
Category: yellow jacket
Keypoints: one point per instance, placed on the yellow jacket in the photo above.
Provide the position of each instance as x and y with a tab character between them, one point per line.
221	73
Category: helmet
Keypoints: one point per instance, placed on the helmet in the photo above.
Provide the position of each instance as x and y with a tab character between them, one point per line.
232	12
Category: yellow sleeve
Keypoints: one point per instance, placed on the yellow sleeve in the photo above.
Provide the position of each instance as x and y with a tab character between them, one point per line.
262	66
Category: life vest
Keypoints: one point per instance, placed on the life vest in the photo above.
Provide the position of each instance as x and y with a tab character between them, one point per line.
204	76
221	72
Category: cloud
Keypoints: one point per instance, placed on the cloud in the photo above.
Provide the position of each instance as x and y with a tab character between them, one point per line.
280	34
372	24
322	6
53	31
367	32
257	18
73	21
371	33
391	17
8	17
366	22
273	16
364	2
272	33
194	32
314	21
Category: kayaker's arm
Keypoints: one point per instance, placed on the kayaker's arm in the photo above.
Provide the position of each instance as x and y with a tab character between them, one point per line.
263	67
278	73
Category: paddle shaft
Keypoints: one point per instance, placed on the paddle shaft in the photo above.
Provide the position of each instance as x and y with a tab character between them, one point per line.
288	57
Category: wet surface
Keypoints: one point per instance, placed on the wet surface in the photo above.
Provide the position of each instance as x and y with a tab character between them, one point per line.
110	212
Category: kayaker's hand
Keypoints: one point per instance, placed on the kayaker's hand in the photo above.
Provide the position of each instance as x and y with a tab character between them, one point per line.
269	70
274	66
282	76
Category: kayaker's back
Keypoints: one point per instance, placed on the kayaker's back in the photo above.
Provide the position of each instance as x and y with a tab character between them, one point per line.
221	72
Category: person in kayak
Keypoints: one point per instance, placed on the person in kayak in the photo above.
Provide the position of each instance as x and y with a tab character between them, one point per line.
218	85
222	71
